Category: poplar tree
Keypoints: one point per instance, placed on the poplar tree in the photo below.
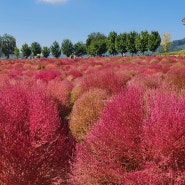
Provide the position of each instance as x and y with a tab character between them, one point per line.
166	39
55	49
79	49
154	41
45	51
111	43
121	45
142	41
131	40
96	44
26	50
36	48
67	47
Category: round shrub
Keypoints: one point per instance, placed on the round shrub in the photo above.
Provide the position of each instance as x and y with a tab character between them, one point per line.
138	140
176	77
164	131
108	80
75	93
86	111
146	81
113	145
60	92
150	175
35	146
47	75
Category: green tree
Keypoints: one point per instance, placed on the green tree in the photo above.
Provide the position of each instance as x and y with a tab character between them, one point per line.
98	47
92	48
101	47
94	36
96	44
16	52
80	49
45	51
121	45
67	47
111	43
131	39
55	49
26	50
142	41
8	44
154	41
36	48
166	39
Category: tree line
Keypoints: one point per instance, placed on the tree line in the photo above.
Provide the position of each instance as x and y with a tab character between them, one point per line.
97	44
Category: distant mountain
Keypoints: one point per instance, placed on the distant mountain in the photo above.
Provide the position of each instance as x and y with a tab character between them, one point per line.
177	45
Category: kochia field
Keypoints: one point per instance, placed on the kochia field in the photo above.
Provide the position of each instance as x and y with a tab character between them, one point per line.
92	121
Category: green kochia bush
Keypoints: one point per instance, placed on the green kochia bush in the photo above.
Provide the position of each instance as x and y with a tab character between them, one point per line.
86	111
35	146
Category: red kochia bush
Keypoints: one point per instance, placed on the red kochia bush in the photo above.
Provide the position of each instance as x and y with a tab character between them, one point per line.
112	147
61	92
150	175
176	76
47	75
107	80
35	145
146	81
164	135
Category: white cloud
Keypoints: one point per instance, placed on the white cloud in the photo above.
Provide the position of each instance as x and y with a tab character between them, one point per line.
53	1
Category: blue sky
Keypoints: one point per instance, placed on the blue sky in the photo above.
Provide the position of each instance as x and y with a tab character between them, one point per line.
45	21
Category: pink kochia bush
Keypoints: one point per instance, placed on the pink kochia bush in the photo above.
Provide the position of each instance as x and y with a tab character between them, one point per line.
60	91
140	139
47	75
108	80
35	146
176	77
113	146
164	136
